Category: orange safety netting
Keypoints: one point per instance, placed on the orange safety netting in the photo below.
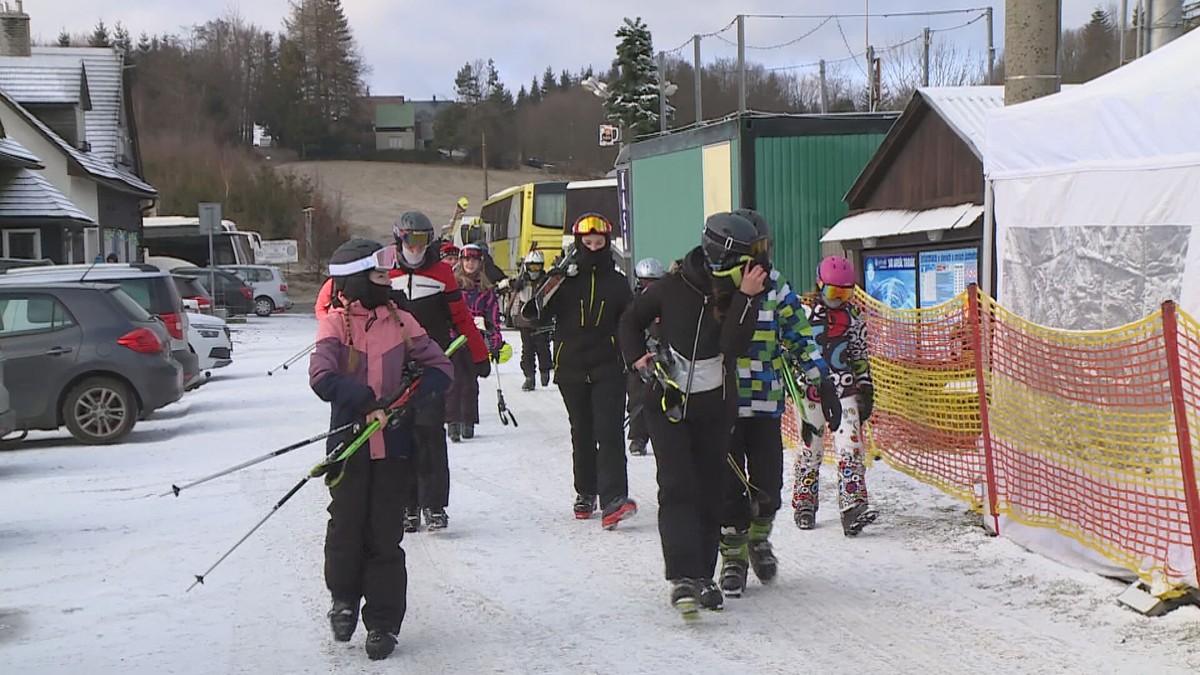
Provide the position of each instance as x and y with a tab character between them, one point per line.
1084	432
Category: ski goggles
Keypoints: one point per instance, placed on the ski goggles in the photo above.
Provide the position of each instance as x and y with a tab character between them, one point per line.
470	253
382	260
837	293
592	223
414	238
535	267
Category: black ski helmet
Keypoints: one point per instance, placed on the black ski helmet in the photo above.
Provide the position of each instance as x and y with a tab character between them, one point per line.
761	225
412	221
727	238
351	265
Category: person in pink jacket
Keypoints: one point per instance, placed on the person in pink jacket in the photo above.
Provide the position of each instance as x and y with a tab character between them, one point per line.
364	346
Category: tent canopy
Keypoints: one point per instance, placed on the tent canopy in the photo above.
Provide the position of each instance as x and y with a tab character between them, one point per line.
1097	194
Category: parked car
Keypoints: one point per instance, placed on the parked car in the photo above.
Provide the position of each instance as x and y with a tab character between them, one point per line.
9	263
209	339
230	292
84	355
152	289
8	416
269	287
191	289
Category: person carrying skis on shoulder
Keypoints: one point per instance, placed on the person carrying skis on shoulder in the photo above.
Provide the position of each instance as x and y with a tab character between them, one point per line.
754	483
434	298
842	334
363	348
535	336
586	301
462	403
647	271
706	314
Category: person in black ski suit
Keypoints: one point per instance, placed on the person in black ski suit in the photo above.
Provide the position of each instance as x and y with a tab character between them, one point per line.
586	300
647	271
535	335
363	346
706	312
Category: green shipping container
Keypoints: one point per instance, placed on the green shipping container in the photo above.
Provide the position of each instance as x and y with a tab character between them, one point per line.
794	170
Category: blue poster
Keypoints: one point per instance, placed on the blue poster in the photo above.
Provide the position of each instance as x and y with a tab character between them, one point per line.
892	279
945	274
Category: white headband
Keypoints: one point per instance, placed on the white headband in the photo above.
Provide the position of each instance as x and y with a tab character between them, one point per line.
353	267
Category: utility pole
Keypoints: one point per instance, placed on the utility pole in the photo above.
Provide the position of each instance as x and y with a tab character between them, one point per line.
483	138
741	61
1165	21
991	47
926	38
1031	39
871	78
662	92
824	89
697	71
1122	27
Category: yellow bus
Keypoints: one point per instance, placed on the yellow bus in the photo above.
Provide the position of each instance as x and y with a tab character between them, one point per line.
524	215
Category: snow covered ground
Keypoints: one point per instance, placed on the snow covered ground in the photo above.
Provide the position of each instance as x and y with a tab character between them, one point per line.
96	564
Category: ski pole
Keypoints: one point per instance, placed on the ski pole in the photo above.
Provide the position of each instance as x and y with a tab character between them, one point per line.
501	406
176	489
296	357
396	403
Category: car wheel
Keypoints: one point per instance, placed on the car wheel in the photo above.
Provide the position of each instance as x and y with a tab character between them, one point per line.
100	410
264	306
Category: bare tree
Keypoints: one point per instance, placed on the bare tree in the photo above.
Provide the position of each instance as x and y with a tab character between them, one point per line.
950	65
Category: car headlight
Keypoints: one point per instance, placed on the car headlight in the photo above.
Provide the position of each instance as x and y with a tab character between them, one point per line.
209	333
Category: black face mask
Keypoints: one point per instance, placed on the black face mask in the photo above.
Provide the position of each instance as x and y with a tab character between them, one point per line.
371	295
589	259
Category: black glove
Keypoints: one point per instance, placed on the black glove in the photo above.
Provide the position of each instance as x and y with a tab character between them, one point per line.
831	405
483	369
495	356
807	432
866	401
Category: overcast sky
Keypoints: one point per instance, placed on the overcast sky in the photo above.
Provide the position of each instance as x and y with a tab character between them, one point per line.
414	48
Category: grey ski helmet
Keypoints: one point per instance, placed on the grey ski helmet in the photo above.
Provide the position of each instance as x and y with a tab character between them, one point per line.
649	268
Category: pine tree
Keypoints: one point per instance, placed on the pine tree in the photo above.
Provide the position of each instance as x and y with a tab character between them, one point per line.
1100	45
64	38
330	63
564	80
632	102
535	92
549	83
522	96
99	37
497	95
121	39
143	44
468	85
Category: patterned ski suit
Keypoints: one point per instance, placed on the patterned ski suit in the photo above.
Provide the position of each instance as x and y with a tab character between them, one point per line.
842	335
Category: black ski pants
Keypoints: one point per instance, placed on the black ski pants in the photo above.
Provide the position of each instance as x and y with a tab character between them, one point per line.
462	399
429	484
756	448
690	456
535	352
595	411
363	557
639	397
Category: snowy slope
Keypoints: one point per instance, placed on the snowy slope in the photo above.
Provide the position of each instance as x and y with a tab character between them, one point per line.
96	564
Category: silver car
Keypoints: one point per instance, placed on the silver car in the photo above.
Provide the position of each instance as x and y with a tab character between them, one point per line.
270	288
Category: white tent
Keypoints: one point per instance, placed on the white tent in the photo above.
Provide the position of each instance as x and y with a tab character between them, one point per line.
1097	194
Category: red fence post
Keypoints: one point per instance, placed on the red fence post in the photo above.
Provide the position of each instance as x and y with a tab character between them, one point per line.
976	323
1182	432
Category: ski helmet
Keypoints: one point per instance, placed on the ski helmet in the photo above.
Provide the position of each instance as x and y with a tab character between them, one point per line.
592	223
413	228
836	271
471	252
760	224
727	239
535	257
649	268
351	266
448	250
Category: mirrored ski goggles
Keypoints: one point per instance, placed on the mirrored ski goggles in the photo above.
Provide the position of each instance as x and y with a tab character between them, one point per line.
837	293
592	223
414	238
535	267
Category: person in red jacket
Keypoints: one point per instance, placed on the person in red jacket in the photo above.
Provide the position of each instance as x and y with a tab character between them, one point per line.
432	295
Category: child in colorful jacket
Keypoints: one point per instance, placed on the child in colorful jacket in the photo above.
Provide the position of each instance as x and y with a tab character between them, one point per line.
842	334
462	402
363	347
756	450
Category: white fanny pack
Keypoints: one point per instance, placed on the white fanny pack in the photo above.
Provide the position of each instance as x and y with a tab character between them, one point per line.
706	374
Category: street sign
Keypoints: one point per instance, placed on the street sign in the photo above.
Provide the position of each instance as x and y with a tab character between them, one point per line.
210	217
278	252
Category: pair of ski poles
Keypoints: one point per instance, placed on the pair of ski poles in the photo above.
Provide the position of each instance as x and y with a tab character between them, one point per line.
334	461
296	357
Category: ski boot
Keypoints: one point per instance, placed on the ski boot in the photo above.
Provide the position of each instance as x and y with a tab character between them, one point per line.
735	558
343	619
585	506
412	521
637	447
468	430
545	379
855	518
762	558
709	595
380	644
528	384
806	519
435	519
455	432
684	598
617	510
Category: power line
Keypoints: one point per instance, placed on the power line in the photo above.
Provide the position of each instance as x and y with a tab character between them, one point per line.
887	15
715	33
846	42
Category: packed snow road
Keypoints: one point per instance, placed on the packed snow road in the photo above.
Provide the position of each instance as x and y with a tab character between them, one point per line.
96	564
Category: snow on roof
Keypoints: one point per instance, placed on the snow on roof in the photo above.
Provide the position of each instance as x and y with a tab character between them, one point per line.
13	152
32	82
105	88
26	194
966	109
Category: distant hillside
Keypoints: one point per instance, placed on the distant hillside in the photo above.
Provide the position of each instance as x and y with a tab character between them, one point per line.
375	193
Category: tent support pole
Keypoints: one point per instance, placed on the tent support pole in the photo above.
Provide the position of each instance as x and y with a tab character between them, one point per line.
989	237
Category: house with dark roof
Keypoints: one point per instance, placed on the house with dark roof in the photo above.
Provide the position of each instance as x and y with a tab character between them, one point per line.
405	125
71	109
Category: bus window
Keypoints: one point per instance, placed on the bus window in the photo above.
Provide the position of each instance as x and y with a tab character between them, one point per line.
514	217
549	209
496	216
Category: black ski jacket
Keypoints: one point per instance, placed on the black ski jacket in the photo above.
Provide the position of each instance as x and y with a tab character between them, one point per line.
586	308
685	305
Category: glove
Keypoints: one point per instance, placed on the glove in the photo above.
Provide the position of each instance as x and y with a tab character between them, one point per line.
866	401
831	405
480	323
807	432
495	355
572	269
483	369
503	285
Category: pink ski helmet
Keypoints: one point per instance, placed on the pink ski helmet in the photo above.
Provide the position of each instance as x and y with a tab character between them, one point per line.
836	271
